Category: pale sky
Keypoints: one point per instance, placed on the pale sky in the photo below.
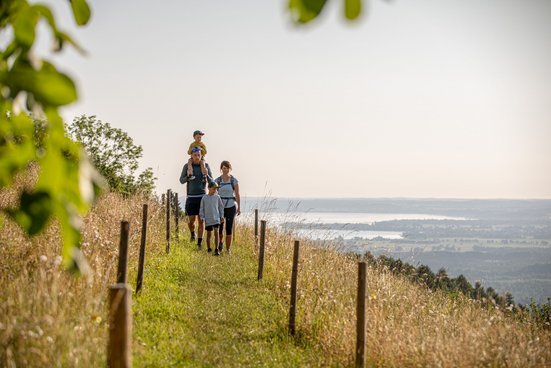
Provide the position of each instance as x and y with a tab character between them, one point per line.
420	98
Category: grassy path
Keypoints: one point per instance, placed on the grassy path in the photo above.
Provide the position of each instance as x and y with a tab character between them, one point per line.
198	310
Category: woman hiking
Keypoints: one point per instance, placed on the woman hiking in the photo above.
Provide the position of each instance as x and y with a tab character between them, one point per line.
229	192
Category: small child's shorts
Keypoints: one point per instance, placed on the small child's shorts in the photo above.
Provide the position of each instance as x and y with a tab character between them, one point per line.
212	227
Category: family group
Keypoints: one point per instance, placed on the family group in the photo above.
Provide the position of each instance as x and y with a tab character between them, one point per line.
213	209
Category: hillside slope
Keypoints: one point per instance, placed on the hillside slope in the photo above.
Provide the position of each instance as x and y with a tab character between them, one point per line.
199	310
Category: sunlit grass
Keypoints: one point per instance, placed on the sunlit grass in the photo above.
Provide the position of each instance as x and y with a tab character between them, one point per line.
49	317
201	310
407	324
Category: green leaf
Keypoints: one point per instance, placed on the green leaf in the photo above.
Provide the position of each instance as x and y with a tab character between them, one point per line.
35	209
315	6
304	11
24	26
81	11
63	38
46	14
52	175
16	146
352	8
48	86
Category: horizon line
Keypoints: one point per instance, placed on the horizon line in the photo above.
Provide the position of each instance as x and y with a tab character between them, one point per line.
407	198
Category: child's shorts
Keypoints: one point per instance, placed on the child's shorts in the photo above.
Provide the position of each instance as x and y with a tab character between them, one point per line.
212	227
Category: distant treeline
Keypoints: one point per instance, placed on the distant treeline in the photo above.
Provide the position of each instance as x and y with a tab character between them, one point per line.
441	281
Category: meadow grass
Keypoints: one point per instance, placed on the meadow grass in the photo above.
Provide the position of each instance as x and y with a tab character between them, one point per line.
407	324
199	310
49	317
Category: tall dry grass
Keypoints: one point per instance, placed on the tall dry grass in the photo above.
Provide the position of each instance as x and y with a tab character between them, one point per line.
49	317
408	325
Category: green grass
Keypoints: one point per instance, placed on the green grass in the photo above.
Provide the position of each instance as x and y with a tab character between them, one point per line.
198	310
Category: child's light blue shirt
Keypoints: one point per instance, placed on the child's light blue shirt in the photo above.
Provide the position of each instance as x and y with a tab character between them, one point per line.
212	209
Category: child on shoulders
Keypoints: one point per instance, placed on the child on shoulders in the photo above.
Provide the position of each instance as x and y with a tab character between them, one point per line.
197	143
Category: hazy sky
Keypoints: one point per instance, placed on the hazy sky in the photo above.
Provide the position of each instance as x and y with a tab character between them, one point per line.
420	98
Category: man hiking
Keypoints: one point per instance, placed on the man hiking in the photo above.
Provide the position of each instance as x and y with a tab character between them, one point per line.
195	192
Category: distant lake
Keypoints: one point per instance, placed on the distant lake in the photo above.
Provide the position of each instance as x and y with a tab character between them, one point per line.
358	217
337	223
340	224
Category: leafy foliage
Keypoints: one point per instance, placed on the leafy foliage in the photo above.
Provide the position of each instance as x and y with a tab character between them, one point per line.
113	153
304	11
33	87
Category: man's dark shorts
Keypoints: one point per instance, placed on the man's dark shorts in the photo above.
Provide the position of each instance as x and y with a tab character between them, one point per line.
212	227
193	204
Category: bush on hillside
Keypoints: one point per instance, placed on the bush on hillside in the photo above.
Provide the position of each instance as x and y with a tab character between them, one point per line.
114	154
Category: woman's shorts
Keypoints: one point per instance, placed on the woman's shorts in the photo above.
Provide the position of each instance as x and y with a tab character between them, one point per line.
229	215
193	204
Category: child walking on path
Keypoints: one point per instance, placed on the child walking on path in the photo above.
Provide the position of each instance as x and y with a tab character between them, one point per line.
197	143
212	212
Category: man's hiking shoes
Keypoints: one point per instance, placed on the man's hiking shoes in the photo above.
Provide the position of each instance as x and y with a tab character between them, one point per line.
209	249
216	252
199	246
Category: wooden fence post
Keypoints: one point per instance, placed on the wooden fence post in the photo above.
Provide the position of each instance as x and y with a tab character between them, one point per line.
360	315
168	203
119	348
142	249
294	276
261	253
177	215
123	252
256	227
